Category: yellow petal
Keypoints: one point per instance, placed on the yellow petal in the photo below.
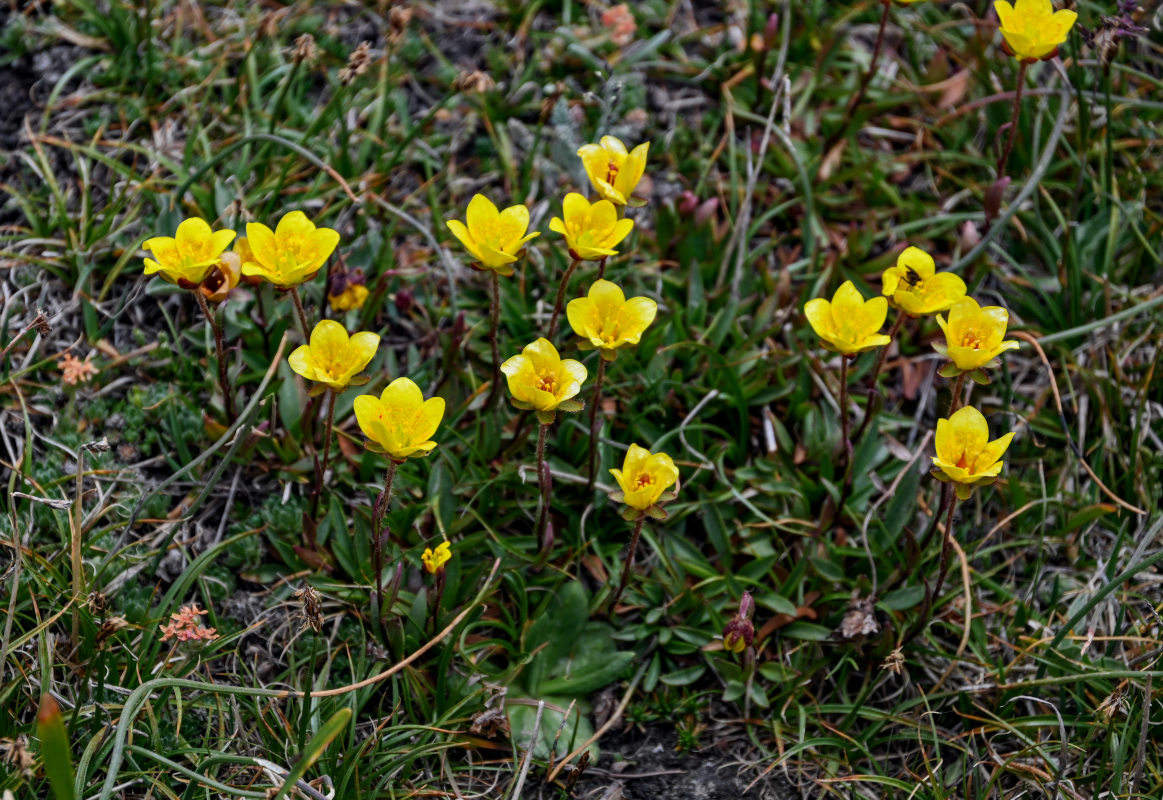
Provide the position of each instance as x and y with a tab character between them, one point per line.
577	374
481	215
328	341
993	451
557	226
635	461
872	316
542	355
1005	12
294	223
632	169
819	315
220	240
368	411
613	145
402	393
302	363
636	316
574	208
579	312
917	259
622	229
262	245
431	413
361	349
514	221
603	216
193	231
620	478
970	430
847	300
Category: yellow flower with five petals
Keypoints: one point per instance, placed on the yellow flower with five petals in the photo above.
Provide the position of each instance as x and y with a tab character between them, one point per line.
290	254
644	478
915	287
400	422
434	560
541	380
613	171
848	324
974	336
332	358
1032	29
965	456
606	320
591	231
188	256
494	238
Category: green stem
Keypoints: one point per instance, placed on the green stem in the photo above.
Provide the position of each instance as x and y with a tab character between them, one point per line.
78	565
628	564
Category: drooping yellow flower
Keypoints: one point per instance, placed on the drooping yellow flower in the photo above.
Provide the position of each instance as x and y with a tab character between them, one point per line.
605	319
613	171
290	254
332	358
965	455
434	560
644	477
494	238
540	380
915	287
400	422
974	335
591	231
189	255
849	324
221	278
353	296
1032	28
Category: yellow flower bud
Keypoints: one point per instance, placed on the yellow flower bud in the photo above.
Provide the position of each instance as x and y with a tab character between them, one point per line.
434	560
965	455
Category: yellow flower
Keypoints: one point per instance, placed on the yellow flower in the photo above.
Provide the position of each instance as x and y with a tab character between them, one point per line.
614	172
400	422
1032	28
434	560
607	320
974	335
848	324
494	238
332	358
644	477
186	258
590	231
539	379
290	254
353	296
965	455
915	287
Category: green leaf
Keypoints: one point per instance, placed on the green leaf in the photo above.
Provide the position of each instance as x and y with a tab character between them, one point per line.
557	627
574	730
684	677
319	742
902	598
807	631
54	748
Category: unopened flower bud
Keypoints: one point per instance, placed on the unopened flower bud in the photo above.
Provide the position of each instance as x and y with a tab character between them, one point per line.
687	203
738	634
404	300
706	210
771	30
994	196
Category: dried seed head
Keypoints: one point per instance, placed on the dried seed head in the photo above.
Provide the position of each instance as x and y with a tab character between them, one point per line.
474	82
40	322
312	609
357	63
895	662
305	49
398	19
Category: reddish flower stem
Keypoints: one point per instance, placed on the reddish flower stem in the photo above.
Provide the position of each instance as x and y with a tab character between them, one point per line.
301	313
560	303
1015	111
220	348
594	426
626	567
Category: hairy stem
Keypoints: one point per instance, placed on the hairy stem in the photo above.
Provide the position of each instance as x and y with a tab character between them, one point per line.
1004	158
220	349
494	324
560	303
626	567
546	488
302	314
594	425
378	512
321	476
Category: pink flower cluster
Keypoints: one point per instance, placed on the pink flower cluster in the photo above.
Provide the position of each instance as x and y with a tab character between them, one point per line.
185	627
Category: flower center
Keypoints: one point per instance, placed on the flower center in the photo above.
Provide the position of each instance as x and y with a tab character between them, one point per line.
546	383
643	480
611	173
972	339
